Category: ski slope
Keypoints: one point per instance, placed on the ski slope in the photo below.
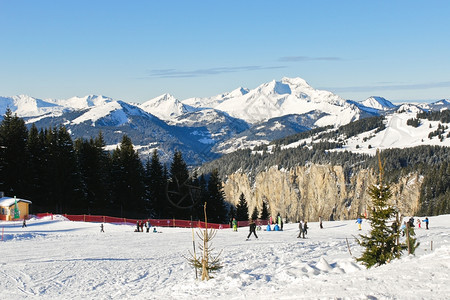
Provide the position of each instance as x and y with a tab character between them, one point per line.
58	259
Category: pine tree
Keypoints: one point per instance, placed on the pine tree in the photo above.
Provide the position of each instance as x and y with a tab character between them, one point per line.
242	209
232	212
381	244
36	164
264	211
66	179
127	184
156	186
411	240
255	213
13	154
93	163
217	210
202	197
178	189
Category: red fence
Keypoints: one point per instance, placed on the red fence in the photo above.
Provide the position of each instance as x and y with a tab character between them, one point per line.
153	222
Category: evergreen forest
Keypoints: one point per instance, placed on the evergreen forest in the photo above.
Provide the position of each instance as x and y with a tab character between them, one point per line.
60	175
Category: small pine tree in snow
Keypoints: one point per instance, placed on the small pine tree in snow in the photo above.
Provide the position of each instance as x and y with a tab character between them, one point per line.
381	243
206	261
411	240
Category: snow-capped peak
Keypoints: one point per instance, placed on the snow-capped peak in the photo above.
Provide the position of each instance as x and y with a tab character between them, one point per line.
297	82
86	101
26	106
274	87
238	92
165	107
379	103
444	102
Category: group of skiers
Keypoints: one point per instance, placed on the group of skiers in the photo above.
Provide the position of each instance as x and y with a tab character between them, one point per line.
303	226
410	224
141	224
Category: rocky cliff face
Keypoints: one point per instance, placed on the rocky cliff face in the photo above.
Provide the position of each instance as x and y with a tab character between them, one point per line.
307	192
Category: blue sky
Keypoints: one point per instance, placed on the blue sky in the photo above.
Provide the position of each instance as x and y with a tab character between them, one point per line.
137	50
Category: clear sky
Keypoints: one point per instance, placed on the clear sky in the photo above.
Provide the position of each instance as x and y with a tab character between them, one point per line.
137	50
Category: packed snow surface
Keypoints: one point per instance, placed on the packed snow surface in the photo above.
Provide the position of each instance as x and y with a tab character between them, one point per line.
59	259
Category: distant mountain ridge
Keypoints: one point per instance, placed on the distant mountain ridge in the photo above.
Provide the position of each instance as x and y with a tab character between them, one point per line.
203	128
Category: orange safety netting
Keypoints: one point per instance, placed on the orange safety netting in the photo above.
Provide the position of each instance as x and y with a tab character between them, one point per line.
153	222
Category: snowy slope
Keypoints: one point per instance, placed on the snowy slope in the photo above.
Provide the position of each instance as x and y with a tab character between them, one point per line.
397	134
53	259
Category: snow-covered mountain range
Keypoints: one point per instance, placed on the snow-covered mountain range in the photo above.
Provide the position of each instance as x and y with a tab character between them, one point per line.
205	127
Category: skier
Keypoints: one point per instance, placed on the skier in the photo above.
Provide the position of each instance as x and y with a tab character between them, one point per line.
148	225
305	228
411	222
137	226
301	227
252	229
101	228
235	224
403	228
394	227
154	230
24	224
141	225
419	224
320	222
268	228
426	222
359	221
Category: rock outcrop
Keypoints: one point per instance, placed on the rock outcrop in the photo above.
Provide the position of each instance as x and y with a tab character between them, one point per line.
307	192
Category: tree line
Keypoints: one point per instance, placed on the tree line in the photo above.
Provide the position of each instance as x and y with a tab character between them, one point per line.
60	175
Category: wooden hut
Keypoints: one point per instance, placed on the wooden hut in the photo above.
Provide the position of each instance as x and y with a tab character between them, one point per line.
14	208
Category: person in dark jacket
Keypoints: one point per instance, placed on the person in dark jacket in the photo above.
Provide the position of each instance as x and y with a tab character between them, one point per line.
301	233
426	222
305	228
252	229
